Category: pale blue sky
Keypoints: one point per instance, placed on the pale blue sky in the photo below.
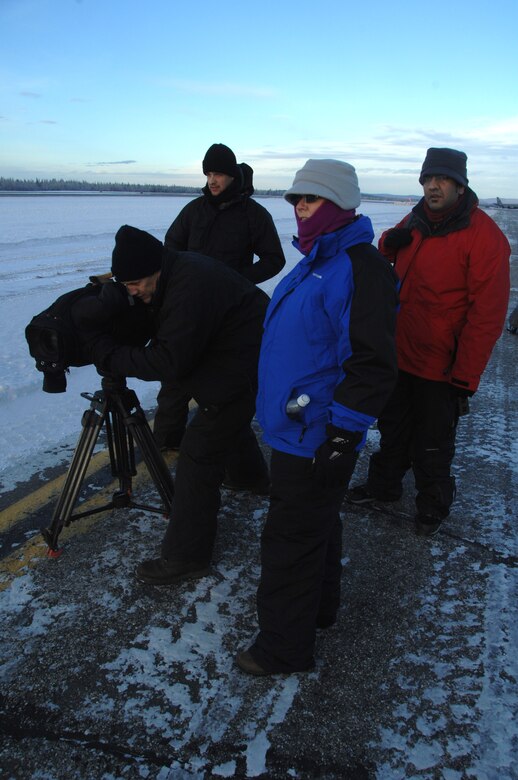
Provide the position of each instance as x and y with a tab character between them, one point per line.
135	91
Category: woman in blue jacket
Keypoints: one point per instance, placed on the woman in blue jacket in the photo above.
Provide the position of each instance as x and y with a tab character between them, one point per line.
329	335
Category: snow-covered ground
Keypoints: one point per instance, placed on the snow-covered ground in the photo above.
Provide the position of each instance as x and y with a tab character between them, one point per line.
105	679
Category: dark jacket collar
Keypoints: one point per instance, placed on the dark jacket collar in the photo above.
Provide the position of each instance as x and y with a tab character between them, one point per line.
457	220
241	188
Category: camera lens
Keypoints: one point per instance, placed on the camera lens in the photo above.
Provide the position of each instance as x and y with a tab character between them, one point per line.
49	345
54	383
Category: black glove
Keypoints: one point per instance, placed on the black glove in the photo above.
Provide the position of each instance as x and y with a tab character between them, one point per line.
115	298
94	317
462	396
397	238
456	386
336	458
99	349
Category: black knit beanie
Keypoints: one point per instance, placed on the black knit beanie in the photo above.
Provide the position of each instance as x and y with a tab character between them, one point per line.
220	159
446	162
137	254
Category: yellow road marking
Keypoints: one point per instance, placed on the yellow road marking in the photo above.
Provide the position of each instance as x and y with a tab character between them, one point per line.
27	555
43	495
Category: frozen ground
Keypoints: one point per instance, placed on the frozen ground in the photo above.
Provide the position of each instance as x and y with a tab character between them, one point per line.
103	678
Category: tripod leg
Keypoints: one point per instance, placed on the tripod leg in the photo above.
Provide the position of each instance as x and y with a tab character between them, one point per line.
154	461
118	408
135	420
122	453
92	423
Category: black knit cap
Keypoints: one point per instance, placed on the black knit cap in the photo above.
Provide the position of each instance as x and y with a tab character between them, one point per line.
137	254
220	159
447	162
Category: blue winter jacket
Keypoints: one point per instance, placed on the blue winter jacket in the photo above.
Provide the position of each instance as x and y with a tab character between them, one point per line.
329	332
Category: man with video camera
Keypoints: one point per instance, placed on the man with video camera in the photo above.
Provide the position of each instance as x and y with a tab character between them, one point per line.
208	326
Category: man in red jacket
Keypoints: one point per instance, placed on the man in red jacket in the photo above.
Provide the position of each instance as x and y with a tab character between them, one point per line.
453	264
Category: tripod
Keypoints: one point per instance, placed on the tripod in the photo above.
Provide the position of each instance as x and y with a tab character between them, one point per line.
117	408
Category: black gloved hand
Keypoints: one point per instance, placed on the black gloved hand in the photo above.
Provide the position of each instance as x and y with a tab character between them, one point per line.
397	238
115	298
336	458
460	392
99	349
462	396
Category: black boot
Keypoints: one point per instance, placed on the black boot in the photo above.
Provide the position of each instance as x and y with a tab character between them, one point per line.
426	525
160	571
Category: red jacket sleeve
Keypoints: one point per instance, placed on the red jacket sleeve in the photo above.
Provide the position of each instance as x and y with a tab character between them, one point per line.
488	286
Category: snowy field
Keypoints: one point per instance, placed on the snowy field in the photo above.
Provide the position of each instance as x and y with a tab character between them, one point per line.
49	245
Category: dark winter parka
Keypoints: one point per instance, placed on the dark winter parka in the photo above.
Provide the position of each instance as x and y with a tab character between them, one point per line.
208	328
454	293
231	227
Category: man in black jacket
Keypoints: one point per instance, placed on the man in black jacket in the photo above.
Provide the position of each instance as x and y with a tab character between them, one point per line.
208	328
228	224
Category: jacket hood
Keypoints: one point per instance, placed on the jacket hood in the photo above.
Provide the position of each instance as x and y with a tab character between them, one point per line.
241	187
247	173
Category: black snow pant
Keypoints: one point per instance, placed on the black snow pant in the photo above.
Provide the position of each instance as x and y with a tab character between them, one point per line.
244	466
171	415
301	565
210	439
418	427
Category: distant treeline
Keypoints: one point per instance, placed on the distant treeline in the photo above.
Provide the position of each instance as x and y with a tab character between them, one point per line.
60	185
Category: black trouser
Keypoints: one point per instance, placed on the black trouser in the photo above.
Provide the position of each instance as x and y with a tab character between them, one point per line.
244	466
301	552
418	428
210	438
171	415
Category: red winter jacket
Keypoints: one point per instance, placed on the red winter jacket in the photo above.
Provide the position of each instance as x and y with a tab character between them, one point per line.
454	294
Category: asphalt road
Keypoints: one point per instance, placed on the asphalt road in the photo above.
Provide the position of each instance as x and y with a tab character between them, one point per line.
105	678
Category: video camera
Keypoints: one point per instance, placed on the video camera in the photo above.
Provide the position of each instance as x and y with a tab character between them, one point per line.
57	335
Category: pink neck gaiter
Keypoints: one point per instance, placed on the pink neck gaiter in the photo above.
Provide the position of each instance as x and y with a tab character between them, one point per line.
328	218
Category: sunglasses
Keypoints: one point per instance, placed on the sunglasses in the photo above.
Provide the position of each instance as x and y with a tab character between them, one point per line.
294	199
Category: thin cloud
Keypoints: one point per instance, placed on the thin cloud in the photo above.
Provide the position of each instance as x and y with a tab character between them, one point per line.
111	162
393	150
24	93
222	88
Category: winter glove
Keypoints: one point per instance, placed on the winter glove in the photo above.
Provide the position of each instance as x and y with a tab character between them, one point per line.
115	298
99	350
397	238
459	388
336	458
513	321
94	318
94	315
462	396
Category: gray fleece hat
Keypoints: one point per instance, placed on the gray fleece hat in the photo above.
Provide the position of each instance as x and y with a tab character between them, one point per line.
331	179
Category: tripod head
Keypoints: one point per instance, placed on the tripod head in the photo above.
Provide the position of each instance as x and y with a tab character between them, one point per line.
113	384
